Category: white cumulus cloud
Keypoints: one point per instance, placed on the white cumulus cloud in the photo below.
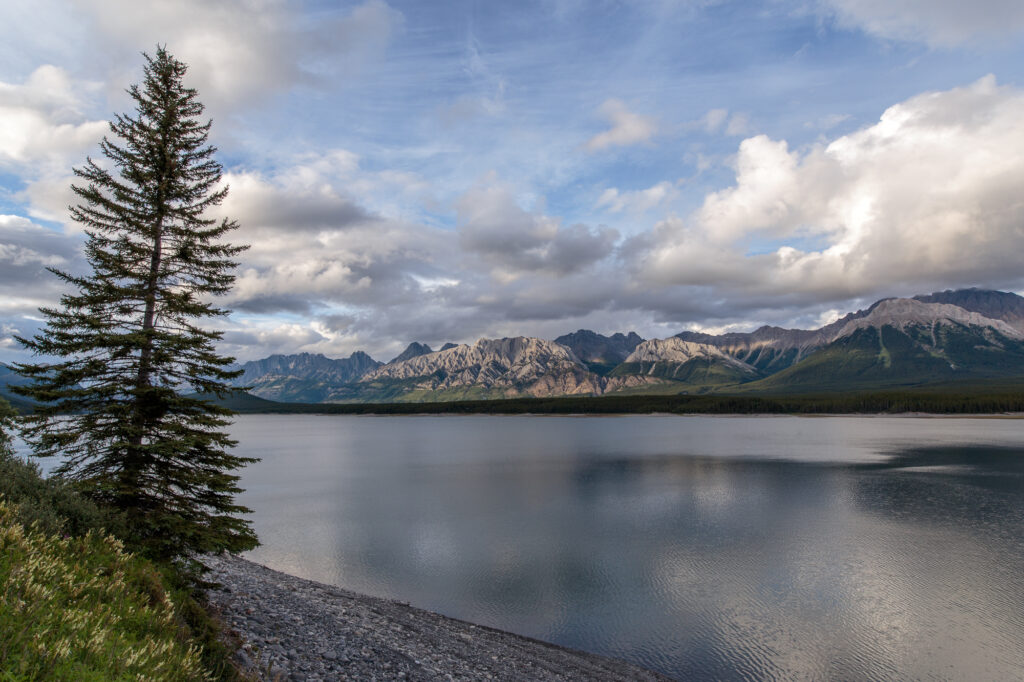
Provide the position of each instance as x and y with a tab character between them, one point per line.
312	244
926	196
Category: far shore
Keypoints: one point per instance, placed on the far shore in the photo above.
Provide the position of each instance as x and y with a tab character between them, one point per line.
615	415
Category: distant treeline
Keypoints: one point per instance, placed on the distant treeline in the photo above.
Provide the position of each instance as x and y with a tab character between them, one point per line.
881	402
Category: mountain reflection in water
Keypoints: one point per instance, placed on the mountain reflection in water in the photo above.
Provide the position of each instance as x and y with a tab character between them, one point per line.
727	548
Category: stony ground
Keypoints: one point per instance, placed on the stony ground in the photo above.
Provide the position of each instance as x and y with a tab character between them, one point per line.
295	629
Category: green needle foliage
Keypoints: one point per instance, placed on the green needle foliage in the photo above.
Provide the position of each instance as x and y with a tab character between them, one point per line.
129	348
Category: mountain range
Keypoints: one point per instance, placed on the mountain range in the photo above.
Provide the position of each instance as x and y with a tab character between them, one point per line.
950	336
973	336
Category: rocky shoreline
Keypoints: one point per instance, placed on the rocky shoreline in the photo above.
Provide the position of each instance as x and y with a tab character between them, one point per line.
299	630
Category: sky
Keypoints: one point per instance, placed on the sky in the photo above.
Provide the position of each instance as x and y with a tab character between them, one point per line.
449	171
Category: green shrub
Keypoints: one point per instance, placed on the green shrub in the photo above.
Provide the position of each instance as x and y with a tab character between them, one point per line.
50	503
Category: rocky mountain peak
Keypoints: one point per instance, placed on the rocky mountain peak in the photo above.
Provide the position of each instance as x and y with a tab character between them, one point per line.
677	350
596	349
361	358
998	305
515	363
302	376
903	312
949	335
413	350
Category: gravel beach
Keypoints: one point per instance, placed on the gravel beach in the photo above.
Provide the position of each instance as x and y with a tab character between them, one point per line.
295	629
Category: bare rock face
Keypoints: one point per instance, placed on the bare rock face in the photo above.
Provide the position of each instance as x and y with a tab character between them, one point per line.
575	382
998	305
901	313
520	364
632	381
676	350
770	349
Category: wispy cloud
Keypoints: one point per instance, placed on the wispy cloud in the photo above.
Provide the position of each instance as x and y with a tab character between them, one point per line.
943	23
640	200
627	127
241	50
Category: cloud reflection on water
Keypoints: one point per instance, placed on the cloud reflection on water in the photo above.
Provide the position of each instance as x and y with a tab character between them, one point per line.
617	536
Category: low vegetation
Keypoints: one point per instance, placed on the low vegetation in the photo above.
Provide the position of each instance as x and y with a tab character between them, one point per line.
83	608
76	602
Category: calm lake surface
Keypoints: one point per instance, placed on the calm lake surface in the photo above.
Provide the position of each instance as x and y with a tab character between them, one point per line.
711	547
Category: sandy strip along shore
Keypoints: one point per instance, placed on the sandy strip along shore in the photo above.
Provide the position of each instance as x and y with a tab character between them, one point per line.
295	629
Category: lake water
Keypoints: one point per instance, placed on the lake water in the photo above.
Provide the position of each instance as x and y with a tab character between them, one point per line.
711	547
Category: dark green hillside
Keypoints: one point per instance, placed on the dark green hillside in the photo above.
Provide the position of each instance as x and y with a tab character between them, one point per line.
295	389
601	368
9	378
239	401
886	357
768	359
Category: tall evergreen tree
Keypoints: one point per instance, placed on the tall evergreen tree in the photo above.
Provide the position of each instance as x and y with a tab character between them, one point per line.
118	404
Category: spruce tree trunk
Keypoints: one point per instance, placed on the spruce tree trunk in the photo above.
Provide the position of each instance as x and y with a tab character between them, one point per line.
149	316
145	403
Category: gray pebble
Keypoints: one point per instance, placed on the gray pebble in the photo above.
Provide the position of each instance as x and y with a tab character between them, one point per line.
243	660
312	632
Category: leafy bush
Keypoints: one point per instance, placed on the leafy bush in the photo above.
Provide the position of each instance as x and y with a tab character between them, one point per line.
54	506
50	503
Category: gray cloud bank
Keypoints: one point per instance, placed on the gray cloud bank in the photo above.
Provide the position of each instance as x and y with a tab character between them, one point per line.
942	23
